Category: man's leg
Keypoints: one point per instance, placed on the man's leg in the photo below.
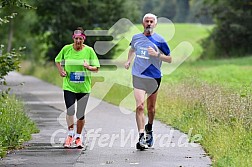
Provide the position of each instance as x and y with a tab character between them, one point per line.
151	107
140	119
139	97
151	104
153	86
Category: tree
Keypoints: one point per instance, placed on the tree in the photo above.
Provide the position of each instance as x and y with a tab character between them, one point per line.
163	8
16	33
232	35
56	22
149	6
9	60
199	12
182	10
168	9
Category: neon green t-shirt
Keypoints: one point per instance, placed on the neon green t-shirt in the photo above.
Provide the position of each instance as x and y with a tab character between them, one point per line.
78	79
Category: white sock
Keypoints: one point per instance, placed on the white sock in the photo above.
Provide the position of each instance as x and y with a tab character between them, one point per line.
71	132
78	135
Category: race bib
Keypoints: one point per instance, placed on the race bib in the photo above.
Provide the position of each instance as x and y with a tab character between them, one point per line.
77	77
142	53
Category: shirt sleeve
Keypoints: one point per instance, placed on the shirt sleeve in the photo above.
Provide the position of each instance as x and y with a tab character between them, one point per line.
94	59
165	48
60	55
132	43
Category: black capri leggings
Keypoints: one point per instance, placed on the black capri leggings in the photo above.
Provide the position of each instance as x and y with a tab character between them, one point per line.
82	99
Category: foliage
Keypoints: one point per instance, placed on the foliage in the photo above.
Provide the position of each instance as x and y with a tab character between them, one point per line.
8	62
199	12
59	20
169	9
17	3
232	35
16	127
160	8
5	19
48	28
17	32
192	11
182	11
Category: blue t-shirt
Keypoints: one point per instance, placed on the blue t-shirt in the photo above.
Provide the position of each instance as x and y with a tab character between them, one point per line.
146	66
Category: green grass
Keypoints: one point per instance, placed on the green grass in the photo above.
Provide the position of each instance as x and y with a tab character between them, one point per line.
228	74
211	96
220	115
16	127
192	33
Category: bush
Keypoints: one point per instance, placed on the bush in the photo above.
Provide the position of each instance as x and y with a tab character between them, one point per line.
16	127
232	35
8	62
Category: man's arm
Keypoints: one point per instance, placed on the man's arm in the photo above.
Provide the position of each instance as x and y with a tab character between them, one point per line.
131	55
161	56
165	58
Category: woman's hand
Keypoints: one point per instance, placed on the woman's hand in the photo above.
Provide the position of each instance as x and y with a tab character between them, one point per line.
86	65
63	73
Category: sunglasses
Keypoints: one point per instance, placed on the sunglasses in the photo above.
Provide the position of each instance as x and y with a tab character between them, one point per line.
78	33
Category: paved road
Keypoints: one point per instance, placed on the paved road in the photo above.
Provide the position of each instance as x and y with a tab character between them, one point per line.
110	135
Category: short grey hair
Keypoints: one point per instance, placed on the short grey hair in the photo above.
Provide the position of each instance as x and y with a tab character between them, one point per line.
150	15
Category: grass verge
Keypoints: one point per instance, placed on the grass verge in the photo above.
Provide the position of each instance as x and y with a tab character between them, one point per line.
16	127
220	116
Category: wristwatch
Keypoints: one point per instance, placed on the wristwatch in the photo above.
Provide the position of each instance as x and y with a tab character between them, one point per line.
158	54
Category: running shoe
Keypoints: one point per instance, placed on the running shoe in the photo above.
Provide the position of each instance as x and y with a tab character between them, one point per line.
78	142
149	137
68	141
141	145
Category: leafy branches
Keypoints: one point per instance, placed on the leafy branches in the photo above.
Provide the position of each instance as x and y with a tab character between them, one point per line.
9	61
6	18
17	3
59	20
232	35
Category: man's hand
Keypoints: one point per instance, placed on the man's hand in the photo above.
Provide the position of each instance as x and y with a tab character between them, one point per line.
152	52
131	55
127	65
